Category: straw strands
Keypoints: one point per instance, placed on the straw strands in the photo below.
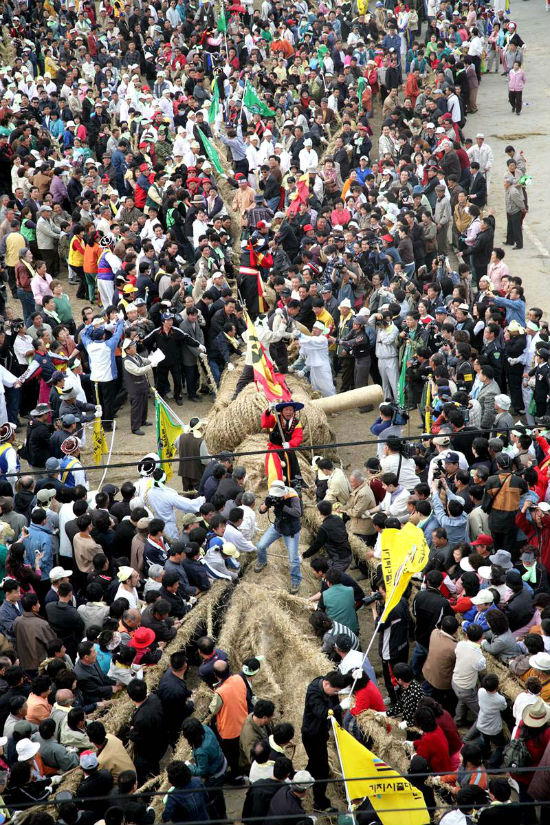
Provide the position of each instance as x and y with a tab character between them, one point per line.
230	422
119	712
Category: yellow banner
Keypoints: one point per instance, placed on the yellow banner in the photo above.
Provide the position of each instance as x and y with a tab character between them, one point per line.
167	433
404	552
393	798
99	444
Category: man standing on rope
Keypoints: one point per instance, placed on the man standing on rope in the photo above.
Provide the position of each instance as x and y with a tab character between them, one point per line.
286	431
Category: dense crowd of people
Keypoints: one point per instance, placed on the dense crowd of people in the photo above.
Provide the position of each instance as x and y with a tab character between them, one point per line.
364	254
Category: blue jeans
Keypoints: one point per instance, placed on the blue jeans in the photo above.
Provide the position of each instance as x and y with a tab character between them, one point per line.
271	535
273	203
419	656
27	303
215	370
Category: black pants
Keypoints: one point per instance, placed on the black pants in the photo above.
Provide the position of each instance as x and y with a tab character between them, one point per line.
515	374
514	233
107	397
12	283
163	383
247	377
191	373
279	354
516	101
231	750
138	410
347	367
51	259
317	765
241	166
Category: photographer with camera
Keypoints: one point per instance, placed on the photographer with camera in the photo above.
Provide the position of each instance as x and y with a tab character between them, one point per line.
384	426
386	352
452	516
286	507
442	444
358	343
396	459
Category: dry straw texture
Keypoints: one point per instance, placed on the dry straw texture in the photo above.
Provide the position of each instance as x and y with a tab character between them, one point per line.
231	422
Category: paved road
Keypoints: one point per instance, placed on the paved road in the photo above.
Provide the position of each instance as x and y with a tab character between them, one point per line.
529	132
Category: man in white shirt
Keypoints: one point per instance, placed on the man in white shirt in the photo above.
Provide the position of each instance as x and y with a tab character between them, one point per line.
470	662
393	461
307	157
394	503
482	153
233	532
443	446
249	526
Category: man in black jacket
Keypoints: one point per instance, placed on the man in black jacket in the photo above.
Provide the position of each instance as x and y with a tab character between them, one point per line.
65	620
38	436
429	607
148	730
519	608
96	783
175	695
91	680
477	191
286	805
393	638
260	793
321	696
333	536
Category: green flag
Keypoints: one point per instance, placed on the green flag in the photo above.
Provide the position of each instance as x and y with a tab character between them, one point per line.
212	154
361	83
401	386
222	22
214	104
253	103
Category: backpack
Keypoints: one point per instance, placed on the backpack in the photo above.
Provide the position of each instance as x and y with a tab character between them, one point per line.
516	754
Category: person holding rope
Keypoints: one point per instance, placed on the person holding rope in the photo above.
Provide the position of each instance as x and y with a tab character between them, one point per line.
286	432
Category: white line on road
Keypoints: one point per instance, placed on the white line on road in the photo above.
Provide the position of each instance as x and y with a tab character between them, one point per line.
535	241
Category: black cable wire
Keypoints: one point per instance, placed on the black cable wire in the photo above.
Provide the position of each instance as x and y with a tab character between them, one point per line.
301	448
410	777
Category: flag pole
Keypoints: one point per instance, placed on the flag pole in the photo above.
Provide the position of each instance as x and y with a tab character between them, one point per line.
109	455
242	102
377	625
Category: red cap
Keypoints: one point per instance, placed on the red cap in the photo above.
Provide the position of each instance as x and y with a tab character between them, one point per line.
144	167
308	227
239	176
387	238
483	540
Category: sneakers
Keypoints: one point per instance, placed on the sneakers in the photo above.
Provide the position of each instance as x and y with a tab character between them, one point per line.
259	566
294	588
138	432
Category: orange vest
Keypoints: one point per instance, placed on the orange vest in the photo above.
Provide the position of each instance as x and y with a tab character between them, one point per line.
234	709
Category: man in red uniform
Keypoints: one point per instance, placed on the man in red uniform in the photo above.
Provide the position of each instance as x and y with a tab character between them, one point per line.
286	431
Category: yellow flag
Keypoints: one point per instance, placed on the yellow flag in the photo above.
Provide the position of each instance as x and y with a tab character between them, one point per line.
404	552
393	798
167	432
99	444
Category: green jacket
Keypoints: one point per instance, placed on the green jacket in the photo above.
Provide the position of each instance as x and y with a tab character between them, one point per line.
339	604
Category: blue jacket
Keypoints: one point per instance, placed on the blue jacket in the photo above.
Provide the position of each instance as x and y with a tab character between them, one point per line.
111	343
186	804
9	612
515	310
208	758
480	618
456	526
39	540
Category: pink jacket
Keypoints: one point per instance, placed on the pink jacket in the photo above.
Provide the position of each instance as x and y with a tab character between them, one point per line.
516	80
41	287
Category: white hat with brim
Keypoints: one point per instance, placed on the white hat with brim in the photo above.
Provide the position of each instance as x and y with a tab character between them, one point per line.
540	661
57	573
26	749
536	714
124	573
320	326
229	549
465	565
483	597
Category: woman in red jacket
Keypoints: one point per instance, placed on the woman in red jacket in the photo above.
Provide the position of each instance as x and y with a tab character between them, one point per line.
432	745
447	724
